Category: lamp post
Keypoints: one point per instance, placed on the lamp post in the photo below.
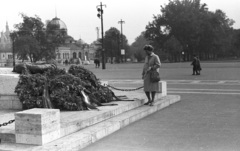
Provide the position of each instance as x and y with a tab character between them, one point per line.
100	15
122	50
13	36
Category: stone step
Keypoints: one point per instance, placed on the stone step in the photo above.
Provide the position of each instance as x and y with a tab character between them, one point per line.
72	121
7	133
75	121
10	102
91	134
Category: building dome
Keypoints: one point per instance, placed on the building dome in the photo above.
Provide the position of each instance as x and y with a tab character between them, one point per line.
57	23
80	42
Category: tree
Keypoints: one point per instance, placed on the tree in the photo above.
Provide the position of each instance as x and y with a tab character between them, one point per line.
174	48
198	30
112	43
28	43
215	36
236	43
137	47
35	42
27	47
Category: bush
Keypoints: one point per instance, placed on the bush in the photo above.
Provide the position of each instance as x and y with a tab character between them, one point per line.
30	90
66	90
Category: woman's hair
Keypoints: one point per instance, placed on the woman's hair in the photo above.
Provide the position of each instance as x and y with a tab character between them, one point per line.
148	47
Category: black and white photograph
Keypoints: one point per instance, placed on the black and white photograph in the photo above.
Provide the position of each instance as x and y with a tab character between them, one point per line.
120	75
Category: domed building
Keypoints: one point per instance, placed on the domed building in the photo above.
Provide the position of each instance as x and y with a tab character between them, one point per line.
71	51
56	22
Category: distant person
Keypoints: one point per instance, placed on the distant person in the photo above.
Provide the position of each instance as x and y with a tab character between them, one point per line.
97	62
66	62
152	62
198	66
194	64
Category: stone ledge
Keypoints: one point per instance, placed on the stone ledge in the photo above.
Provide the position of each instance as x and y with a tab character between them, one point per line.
72	121
98	131
89	135
37	126
10	101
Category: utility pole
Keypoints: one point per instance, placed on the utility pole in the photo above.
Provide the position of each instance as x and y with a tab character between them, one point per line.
122	50
97	29
13	36
100	15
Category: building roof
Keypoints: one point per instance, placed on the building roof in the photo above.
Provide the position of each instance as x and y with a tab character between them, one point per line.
57	23
74	47
5	50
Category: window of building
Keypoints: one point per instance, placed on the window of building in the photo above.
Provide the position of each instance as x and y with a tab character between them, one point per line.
80	55
59	56
74	55
10	56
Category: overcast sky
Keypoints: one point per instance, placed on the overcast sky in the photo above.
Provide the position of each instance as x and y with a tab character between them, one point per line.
81	19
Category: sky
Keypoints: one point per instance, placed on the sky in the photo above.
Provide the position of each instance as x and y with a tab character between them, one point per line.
80	16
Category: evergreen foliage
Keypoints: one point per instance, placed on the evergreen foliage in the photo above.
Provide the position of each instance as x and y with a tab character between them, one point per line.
65	91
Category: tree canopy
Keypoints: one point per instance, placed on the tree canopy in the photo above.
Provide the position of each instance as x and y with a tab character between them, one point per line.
113	44
196	29
32	41
137	47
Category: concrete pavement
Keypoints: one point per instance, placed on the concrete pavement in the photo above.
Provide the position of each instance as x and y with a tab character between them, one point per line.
204	124
206	119
202	121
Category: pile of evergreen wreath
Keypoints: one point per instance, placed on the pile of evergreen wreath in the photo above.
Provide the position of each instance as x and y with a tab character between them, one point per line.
77	89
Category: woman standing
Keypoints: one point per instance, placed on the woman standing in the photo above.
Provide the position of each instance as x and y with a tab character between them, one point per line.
152	62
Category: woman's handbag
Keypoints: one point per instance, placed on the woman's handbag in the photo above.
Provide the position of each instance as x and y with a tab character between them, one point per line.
154	76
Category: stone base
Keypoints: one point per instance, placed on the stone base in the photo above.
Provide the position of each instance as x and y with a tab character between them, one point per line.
92	133
162	89
10	101
37	126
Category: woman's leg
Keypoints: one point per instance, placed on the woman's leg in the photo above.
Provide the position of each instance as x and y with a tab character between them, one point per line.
148	96
153	97
194	70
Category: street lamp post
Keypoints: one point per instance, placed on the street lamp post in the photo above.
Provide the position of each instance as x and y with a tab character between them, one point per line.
100	15
122	53
13	36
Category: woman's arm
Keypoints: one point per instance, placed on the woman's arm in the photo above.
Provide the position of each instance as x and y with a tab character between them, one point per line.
157	63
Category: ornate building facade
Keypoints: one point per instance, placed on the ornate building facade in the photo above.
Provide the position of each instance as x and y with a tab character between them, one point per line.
71	51
5	47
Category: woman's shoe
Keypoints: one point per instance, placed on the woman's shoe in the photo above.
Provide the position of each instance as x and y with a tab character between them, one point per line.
151	103
147	103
